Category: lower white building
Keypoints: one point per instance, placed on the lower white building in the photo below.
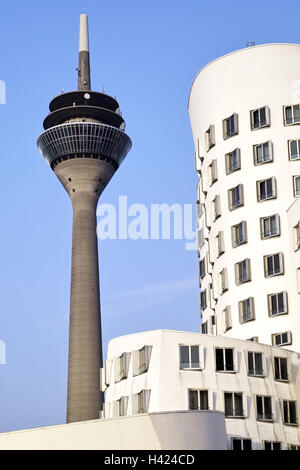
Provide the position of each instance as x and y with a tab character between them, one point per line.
256	386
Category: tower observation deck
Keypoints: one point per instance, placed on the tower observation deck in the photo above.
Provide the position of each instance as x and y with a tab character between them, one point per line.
84	143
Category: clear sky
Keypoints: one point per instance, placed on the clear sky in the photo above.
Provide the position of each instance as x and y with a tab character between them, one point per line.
147	53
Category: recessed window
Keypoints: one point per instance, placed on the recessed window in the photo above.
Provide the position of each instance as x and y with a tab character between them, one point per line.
233	405
121	366
216	204
282	339
233	161
264	408
121	406
266	189
296	234
189	357
203	300
235	197
255	363
141	360
239	234
263	153
202	270
296	182
241	444
272	445
289	412
224	360
270	226
204	328
273	265
210	137
143	399
280	368
230	126
227	318
213	171
291	114
220	243
277	303
223	281
260	118
246	310
294	149
198	400
242	271
200	238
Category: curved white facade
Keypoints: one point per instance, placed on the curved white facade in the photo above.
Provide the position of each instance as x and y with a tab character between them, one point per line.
258	88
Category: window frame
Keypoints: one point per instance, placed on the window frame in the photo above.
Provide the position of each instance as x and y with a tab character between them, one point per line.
240	279
270	153
242	316
289	338
210	139
233	405
267	118
281	265
234	205
277	224
192	365
199	400
290	149
273	193
225	370
295	178
256	372
281	377
226	133
285	304
288	422
229	168
268	417
292	106
213	171
239	241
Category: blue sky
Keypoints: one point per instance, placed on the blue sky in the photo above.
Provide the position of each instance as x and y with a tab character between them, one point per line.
147	53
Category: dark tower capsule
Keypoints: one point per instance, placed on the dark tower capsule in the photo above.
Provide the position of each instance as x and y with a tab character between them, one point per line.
84	143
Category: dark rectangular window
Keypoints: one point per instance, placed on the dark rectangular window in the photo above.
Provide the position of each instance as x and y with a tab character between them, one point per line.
255	363
233	405
198	399
281	370
264	408
189	357
224	359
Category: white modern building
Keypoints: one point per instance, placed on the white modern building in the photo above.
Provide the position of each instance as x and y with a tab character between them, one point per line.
256	386
245	115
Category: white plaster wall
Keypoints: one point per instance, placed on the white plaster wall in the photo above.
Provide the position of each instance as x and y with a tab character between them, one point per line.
194	430
169	385
248	79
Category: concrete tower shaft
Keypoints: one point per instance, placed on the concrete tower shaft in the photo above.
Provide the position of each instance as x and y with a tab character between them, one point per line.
84	143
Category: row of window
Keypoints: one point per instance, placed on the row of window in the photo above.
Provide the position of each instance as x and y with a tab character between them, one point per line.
246	444
190	356
265	189
269	228
233	406
140	364
139	404
259	118
262	153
